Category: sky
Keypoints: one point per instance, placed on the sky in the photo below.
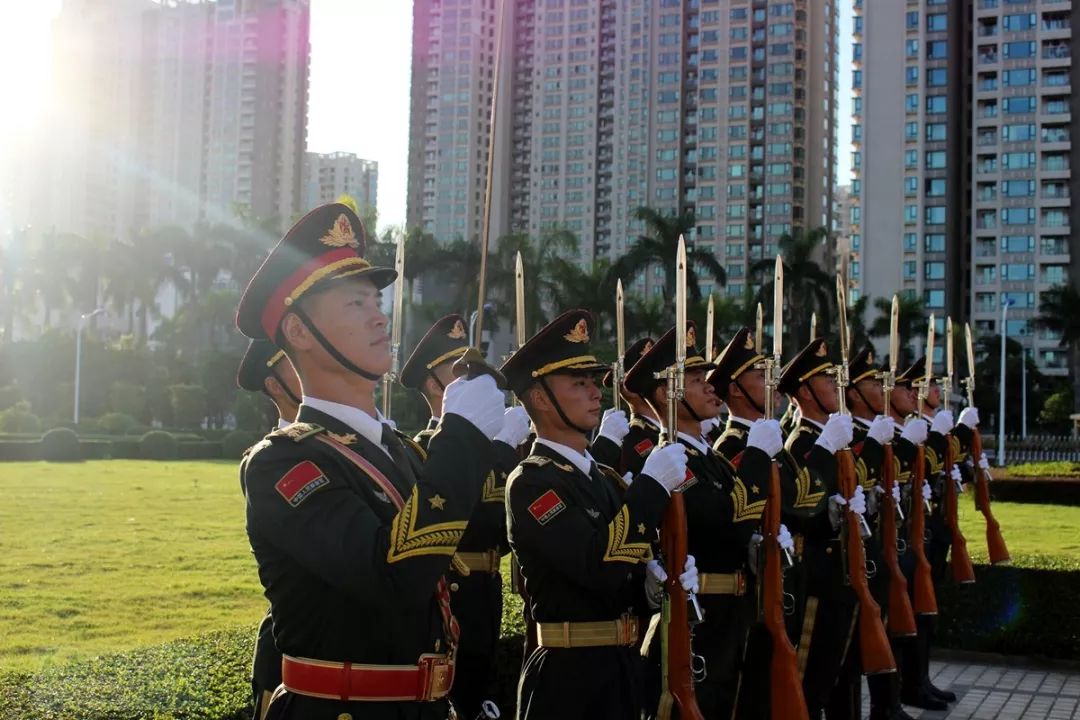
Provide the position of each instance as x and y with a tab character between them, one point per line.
359	93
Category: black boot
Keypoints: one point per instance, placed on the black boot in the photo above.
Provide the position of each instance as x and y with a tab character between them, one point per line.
926	639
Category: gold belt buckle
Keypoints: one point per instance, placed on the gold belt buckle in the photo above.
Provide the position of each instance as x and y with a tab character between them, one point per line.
627	627
435	677
740	583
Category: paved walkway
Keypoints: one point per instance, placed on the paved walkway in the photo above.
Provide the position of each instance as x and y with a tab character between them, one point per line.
995	692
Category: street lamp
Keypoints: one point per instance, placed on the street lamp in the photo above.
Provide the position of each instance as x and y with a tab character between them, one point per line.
78	356
1005	303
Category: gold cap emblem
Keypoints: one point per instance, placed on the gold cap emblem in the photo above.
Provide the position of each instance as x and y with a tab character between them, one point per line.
822	351
870	358
457	332
691	337
341	234
749	345
580	333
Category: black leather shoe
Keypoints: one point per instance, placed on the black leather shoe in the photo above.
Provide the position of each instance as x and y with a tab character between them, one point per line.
947	695
900	714
923	700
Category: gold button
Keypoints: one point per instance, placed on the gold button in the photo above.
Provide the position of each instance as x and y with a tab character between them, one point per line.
344	716
454	587
828	551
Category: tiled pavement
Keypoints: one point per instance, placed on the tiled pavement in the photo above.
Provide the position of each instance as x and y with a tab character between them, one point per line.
996	692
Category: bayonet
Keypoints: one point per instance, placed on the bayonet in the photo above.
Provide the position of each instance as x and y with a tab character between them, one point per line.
888	378
813	326
395	325
842	368
778	312
710	319
946	380
619	368
924	386
969	383
759	330
519	300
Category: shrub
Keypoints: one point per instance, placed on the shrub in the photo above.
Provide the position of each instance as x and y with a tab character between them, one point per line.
157	445
188	405
198	450
22	449
237	442
128	399
60	445
116	423
95	449
19	419
9	395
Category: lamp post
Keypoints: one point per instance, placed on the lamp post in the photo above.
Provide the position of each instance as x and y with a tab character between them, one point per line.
1005	303
78	356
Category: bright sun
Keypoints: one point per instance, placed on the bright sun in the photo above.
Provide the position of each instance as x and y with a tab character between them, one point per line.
24	64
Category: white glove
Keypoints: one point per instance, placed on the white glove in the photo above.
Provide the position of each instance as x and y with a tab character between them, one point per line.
858	501
667	466
765	435
882	429
942	422
784	539
970	416
837	434
984	463
689	577
709	424
873	499
614	426
837	503
656	571
478	401
915	431
958	479
896	494
628	478
515	427
926	494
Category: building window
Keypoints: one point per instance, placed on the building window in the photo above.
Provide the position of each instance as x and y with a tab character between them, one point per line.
936	132
935	159
934	299
935	215
934	271
937	50
937	22
934	242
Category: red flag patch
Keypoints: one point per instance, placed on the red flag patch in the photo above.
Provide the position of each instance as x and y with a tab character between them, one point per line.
643	447
298	484
546	507
689	482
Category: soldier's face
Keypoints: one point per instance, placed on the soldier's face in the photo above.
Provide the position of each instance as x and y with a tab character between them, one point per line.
824	387
701	395
753	384
903	399
933	395
873	392
348	315
579	397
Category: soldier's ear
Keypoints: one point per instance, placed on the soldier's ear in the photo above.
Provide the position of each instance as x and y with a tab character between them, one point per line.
295	333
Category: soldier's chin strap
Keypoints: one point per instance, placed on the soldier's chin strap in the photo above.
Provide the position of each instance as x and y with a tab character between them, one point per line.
813	394
750	398
558	409
328	347
284	386
437	380
869	405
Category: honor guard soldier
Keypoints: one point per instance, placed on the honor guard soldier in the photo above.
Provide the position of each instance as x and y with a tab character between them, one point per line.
739	381
644	432
265	369
581	537
827	604
917	689
351	534
475	582
723	516
873	429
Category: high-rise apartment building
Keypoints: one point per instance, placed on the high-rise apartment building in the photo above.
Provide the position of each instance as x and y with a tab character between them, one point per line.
328	176
171	113
726	109
962	194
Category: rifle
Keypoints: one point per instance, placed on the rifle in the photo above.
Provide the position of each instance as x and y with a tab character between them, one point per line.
395	325
995	543
901	621
677	698
924	601
874	645
962	570
786	700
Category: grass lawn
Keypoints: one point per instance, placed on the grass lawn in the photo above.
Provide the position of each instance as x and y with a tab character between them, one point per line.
110	555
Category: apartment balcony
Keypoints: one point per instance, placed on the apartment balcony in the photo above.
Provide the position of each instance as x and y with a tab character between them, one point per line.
1056	51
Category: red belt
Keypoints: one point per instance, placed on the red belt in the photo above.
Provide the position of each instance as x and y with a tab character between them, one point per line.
429	679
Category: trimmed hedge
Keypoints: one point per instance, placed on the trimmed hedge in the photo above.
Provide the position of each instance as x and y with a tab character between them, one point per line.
21	449
60	445
1014	610
157	445
1051	491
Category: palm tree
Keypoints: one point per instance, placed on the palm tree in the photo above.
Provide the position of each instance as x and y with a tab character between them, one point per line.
1058	313
912	323
807	288
660	246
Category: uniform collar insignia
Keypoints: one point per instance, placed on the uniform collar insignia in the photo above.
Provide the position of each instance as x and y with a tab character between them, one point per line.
594	514
344	439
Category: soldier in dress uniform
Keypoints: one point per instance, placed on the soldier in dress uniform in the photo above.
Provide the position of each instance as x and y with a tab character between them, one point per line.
724	504
475	582
265	369
739	381
644	432
826	604
873	429
351	534
581	536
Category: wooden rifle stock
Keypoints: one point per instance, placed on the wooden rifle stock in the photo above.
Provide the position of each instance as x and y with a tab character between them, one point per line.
874	645
677	698
924	601
962	570
901	616
995	543
786	701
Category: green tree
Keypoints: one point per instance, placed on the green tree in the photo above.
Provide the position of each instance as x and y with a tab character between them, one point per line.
1059	313
807	287
912	321
659	247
